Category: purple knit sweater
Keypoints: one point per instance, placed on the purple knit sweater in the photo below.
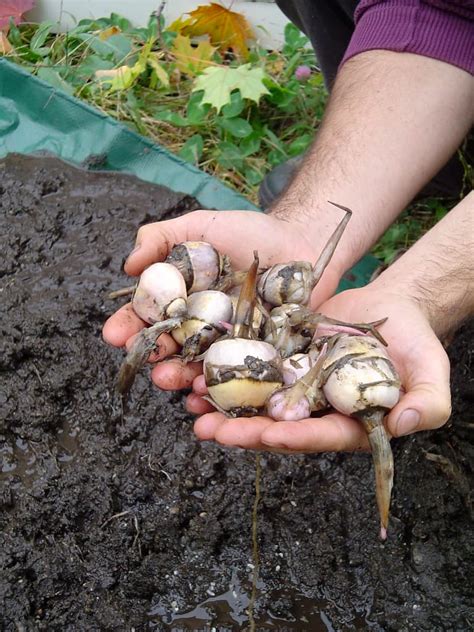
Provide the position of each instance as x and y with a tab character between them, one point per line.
442	29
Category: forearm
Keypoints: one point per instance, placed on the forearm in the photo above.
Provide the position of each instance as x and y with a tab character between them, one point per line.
392	121
438	271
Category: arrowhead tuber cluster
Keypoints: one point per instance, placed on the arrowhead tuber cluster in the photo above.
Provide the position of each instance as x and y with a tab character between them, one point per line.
260	344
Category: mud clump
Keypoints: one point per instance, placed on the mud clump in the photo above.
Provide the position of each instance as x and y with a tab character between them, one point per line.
112	522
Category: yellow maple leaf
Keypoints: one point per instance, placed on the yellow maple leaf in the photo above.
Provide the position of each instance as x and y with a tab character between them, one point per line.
191	60
179	24
226	29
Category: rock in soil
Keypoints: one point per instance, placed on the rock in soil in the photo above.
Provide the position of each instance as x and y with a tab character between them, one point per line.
127	522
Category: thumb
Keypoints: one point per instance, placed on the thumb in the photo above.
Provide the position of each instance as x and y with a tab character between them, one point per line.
426	405
155	241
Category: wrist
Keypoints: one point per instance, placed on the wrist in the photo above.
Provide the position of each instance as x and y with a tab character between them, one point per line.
443	312
313	226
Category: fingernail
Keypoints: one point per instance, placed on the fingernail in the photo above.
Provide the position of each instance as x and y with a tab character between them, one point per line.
408	422
274	444
137	247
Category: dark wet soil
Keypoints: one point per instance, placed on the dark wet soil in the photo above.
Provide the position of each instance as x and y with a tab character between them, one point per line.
132	524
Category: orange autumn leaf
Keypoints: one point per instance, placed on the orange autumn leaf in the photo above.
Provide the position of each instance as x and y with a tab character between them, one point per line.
226	29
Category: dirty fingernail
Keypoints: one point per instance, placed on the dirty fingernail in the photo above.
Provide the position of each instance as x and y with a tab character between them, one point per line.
408	422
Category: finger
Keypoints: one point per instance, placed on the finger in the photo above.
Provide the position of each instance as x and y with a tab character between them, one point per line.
427	402
206	426
199	385
166	346
333	432
121	326
196	405
155	241
243	432
175	374
237	433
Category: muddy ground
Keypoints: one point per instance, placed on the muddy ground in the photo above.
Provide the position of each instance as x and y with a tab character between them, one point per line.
134	524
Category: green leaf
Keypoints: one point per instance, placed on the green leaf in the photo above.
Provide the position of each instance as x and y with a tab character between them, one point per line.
281	97
235	107
91	64
251	144
40	37
54	78
294	39
300	144
14	35
252	176
116	47
84	26
238	127
196	111
171	117
275	157
118	20
229	155
192	149
275	142
219	82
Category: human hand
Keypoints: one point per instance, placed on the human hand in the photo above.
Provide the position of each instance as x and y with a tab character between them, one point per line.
415	351
235	233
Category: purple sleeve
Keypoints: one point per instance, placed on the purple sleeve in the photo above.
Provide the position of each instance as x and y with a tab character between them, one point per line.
440	29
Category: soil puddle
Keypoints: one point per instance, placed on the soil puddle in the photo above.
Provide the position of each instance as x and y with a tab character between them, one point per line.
111	523
229	610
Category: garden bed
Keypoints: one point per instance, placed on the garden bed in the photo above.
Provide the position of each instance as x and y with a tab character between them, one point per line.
114	521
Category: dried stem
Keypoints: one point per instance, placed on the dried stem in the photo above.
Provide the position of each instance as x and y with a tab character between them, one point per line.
383	461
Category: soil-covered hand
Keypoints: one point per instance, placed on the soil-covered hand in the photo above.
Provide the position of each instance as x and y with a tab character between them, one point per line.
416	352
235	233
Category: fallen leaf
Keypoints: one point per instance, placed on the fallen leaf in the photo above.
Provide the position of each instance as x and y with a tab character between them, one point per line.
124	77
226	29
13	9
106	33
179	24
192	60
119	78
5	46
160	73
219	82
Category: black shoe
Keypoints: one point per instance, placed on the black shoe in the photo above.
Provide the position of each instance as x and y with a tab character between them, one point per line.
276	181
448	183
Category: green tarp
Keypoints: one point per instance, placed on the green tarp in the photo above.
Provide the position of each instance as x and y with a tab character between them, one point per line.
35	116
